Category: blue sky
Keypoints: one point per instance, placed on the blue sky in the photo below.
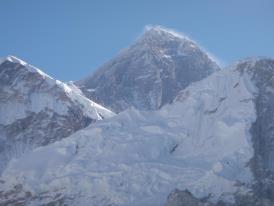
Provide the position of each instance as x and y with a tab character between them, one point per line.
69	39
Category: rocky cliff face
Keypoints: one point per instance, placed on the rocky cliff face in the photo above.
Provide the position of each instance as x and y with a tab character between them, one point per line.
186	198
150	73
262	130
261	72
36	110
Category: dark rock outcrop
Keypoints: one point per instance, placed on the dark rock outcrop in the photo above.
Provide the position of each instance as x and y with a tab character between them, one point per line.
185	198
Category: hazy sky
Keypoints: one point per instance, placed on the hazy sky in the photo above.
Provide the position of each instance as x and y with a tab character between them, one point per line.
69	39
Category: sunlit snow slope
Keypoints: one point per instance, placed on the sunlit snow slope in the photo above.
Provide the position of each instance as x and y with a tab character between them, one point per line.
200	142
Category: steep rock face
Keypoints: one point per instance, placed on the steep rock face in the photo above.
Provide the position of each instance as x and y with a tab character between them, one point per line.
150	73
184	198
262	130
37	110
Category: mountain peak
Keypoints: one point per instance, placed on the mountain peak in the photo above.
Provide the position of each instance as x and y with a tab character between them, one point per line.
164	39
24	65
157	30
150	73
158	35
13	59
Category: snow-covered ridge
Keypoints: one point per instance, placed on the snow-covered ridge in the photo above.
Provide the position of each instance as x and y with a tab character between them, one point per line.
13	59
36	109
27	66
44	97
99	111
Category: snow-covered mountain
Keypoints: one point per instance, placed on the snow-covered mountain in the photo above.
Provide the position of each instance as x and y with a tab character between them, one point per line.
37	110
214	144
150	73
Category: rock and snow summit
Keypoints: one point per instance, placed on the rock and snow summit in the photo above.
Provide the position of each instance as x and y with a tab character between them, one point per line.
149	73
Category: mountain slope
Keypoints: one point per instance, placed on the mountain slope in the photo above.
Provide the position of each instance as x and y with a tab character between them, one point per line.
205	142
149	73
261	73
37	110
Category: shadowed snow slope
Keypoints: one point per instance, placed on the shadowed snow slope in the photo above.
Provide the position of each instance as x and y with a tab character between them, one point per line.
201	142
150	73
36	109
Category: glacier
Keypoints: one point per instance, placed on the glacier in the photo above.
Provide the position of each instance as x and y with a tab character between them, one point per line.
200	142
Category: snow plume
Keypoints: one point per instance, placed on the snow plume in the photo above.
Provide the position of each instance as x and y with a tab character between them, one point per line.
182	35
